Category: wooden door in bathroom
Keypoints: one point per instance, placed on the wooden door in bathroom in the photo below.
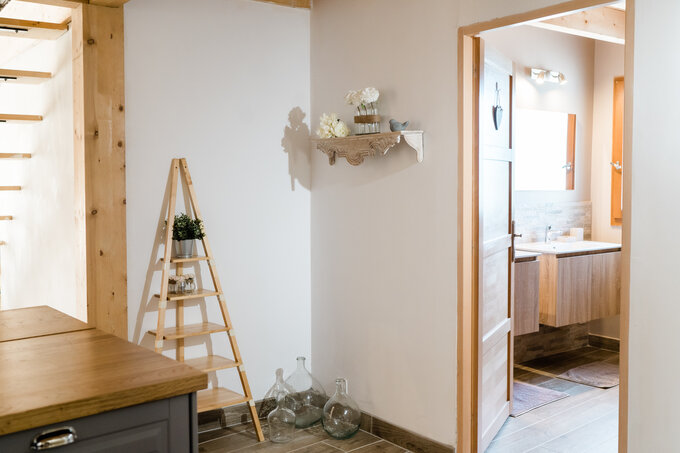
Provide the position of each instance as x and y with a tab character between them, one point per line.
495	339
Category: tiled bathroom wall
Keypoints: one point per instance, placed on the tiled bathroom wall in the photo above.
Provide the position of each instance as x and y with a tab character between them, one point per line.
532	218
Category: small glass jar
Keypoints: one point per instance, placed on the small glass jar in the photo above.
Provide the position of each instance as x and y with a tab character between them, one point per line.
181	287
281	421
190	283
172	284
341	415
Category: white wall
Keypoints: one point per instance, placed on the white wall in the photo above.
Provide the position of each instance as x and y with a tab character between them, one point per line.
530	47
384	233
216	84
653	392
39	259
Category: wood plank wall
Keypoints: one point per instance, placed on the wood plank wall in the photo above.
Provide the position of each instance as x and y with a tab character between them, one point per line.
99	146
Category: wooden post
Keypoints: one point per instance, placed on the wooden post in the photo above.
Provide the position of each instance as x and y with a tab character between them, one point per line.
99	146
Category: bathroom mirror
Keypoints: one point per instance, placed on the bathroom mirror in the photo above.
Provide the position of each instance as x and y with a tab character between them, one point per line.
544	144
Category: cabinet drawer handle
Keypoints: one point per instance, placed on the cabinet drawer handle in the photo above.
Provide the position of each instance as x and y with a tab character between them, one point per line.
54	438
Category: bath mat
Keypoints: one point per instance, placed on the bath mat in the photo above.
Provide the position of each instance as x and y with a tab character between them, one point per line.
596	374
527	397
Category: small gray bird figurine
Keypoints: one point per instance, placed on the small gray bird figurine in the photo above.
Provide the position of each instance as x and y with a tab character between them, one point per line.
396	126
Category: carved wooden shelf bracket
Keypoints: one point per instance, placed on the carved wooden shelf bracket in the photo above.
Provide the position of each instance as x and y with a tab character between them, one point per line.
357	147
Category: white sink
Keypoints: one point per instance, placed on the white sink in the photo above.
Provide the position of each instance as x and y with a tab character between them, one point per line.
567	247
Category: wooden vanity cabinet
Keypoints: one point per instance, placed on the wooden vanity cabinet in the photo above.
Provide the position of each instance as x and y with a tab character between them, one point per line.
525	318
606	285
578	289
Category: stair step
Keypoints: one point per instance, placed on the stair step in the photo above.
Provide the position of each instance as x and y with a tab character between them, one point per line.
15	156
21	76
211	363
191	330
195	295
217	398
5	117
18	28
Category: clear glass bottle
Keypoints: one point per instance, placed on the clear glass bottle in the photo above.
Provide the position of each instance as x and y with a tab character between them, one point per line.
309	396
190	282
281	421
341	415
269	400
181	287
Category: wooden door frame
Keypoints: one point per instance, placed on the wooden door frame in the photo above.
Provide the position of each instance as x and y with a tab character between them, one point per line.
468	223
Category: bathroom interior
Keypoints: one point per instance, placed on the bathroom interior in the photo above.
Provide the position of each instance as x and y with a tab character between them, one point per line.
567	134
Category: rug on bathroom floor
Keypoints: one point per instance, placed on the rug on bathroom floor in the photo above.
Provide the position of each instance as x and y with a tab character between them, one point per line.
527	397
596	374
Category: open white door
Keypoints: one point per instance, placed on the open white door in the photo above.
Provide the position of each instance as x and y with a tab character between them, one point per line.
495	342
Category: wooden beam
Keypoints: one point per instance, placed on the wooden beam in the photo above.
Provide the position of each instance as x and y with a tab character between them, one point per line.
292	3
77	3
18	28
604	24
99	145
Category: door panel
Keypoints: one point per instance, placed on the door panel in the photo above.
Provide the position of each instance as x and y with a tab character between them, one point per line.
496	263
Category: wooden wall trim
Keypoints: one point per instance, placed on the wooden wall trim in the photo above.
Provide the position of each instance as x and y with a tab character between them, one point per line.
468	239
99	146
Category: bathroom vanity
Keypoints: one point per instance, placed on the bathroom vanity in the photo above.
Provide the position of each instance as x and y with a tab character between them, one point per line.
578	281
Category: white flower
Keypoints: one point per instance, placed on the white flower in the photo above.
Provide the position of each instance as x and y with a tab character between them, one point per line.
369	94
327	125
330	126
340	129
353	98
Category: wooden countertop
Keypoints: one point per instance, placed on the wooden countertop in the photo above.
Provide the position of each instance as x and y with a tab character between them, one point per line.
36	322
54	378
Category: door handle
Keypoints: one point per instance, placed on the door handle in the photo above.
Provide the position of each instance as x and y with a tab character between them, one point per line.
54	438
514	235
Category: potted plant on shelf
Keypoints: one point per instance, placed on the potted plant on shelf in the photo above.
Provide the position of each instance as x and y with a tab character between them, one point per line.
184	231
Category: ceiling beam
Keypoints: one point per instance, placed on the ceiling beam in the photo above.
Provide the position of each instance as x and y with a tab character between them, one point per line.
604	24
76	3
292	3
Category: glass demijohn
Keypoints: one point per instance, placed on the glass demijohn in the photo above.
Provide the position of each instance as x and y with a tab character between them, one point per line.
341	415
309	396
281	421
269	400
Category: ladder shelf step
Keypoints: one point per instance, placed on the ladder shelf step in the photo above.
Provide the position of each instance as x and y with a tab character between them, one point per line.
188	260
6	217
4	188
211	363
191	330
195	295
217	398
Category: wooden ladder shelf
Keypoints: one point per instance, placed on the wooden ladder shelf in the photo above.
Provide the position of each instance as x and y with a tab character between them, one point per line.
214	398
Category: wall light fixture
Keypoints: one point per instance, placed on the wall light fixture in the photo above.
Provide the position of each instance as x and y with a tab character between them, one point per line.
546	75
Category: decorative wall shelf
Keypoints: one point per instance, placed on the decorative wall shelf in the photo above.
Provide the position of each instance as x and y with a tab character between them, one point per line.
356	147
20	76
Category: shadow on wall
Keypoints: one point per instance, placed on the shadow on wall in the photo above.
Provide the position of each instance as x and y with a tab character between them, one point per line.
296	143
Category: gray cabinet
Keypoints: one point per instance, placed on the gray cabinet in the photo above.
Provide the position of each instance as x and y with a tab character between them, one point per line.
164	426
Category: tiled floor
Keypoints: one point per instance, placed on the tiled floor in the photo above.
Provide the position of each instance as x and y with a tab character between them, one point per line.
586	422
311	440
